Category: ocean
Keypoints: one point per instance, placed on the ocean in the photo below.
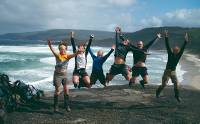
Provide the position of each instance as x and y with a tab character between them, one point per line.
34	64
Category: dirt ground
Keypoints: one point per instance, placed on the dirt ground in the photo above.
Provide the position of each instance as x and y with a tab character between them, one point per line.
114	105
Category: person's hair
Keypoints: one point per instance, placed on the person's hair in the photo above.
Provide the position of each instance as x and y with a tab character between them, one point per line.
81	44
62	43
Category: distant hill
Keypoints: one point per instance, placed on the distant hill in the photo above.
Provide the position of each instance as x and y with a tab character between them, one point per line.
104	38
176	37
56	34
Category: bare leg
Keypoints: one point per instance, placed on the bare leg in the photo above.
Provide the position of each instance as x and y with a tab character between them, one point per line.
66	89
133	80
144	81
75	80
109	77
86	80
128	76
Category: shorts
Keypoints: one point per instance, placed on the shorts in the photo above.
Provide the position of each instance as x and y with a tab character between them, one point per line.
169	74
119	69
97	75
136	71
80	72
60	78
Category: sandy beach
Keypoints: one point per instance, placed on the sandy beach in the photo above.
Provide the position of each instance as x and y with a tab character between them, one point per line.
120	104
191	64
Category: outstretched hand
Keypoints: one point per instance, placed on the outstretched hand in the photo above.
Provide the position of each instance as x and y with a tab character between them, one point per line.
92	36
159	35
72	34
118	30
49	42
186	37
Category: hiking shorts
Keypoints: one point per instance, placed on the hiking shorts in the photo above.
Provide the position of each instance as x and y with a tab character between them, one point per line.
97	75
60	78
168	73
80	72
119	69
136	71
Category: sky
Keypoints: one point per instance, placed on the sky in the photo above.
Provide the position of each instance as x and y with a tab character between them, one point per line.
130	15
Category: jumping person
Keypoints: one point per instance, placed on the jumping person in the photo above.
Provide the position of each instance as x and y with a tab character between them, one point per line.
60	74
119	66
139	67
80	63
170	71
97	69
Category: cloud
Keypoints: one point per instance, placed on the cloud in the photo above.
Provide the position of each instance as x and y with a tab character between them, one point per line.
122	2
28	15
182	17
153	22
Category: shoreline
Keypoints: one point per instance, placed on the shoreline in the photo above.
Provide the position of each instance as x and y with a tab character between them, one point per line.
191	64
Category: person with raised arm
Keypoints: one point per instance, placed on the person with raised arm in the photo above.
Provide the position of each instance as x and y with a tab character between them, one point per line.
139	59
60	73
121	51
97	68
174	56
80	64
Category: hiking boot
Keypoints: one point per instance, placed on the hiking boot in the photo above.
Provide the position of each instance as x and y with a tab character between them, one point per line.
158	92
66	103
177	95
55	103
56	109
142	83
130	84
178	99
68	109
75	85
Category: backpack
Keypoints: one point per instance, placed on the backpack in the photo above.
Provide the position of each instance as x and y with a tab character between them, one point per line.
26	92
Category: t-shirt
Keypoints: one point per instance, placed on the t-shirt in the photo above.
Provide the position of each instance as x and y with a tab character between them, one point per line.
62	61
81	61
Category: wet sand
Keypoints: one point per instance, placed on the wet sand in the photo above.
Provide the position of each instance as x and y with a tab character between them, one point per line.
191	64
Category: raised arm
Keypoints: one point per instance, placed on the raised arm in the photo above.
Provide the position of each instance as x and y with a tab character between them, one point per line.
73	42
89	44
167	42
51	48
92	54
121	36
184	44
152	41
117	32
109	53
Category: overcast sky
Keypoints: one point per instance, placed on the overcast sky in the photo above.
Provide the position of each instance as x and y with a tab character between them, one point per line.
131	15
